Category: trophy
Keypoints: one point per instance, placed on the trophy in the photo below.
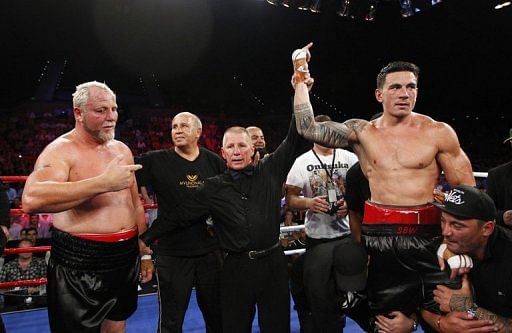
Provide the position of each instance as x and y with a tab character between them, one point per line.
300	59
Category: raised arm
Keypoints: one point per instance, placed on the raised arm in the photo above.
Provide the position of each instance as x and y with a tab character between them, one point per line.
452	159
329	133
48	189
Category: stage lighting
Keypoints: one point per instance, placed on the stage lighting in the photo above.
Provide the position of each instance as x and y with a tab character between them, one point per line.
372	11
286	3
274	2
303	5
406	8
502	4
364	9
315	6
344	10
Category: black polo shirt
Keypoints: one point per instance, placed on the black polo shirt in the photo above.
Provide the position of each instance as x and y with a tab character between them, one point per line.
492	277
244	205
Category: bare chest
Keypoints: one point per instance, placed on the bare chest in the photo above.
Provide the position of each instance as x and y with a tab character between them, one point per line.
90	163
400	152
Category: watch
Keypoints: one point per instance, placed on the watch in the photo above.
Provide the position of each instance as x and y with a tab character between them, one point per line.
472	311
414	326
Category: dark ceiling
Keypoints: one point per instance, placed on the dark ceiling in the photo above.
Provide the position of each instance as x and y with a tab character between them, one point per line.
237	52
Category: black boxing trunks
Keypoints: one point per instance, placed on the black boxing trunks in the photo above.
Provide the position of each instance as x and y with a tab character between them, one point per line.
91	277
403	269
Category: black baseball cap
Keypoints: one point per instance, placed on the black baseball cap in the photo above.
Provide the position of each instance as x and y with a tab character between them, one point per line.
350	265
467	202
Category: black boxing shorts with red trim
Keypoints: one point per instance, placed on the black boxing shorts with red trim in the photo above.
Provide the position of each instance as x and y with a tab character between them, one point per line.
403	270
91	280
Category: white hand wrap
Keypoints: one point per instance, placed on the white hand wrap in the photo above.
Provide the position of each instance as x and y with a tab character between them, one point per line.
440	250
455	261
460	261
145	257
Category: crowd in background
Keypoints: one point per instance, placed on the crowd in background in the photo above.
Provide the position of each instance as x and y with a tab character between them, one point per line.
24	134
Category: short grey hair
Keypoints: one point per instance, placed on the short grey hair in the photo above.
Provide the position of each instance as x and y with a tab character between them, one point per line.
197	121
236	130
81	95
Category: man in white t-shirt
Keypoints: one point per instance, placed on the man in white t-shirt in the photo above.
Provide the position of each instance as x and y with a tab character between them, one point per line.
319	175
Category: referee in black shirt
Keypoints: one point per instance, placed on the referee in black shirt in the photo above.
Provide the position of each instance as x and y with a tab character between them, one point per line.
244	202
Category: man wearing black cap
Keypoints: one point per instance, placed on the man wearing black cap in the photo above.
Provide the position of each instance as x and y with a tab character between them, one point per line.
469	227
499	187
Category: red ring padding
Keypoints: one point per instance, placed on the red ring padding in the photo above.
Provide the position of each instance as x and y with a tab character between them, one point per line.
23	283
13	179
27	249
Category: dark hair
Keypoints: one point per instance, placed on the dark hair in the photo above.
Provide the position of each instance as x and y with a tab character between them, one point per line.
322	117
25	240
396	66
31	229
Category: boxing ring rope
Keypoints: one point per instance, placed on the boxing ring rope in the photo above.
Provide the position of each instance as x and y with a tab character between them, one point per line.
41	281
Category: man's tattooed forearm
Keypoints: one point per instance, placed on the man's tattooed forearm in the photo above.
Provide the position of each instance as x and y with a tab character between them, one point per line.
503	324
304	116
460	302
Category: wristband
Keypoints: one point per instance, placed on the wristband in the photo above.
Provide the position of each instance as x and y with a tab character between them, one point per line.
145	257
472	311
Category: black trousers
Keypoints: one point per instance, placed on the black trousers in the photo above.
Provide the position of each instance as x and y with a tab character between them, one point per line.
307	323
250	283
403	273
176	277
320	286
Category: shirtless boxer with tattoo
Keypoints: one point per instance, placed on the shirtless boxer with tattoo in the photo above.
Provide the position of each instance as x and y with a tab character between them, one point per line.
402	153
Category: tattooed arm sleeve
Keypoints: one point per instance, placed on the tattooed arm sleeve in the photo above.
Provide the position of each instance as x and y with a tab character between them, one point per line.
464	302
329	133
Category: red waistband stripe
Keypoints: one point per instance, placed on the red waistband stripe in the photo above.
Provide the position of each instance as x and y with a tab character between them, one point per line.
383	214
109	238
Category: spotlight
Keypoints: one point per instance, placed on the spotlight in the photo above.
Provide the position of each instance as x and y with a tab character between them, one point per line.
502	5
286	3
303	5
406	8
315	6
372	11
344	10
273	2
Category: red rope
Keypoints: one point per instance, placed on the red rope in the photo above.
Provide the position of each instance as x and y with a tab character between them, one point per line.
23	283
13	179
27	249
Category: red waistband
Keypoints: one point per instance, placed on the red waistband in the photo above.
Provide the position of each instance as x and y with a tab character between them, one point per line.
109	238
383	214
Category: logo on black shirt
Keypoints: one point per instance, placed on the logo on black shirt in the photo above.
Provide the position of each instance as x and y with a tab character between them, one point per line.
192	181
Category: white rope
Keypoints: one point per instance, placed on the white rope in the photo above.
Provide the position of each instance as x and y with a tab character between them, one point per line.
298	251
292	228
